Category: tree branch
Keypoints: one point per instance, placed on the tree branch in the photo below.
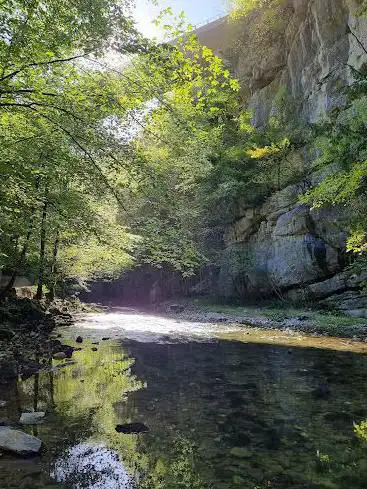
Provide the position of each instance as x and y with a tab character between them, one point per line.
86	152
28	90
41	63
40	104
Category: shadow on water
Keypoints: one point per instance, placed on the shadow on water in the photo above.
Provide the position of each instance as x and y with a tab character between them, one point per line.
221	414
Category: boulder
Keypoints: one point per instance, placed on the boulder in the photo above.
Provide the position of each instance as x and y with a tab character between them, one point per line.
16	441
32	418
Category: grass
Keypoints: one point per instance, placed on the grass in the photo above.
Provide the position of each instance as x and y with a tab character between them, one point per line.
331	323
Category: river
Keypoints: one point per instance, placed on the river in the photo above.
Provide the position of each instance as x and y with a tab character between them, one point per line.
219	407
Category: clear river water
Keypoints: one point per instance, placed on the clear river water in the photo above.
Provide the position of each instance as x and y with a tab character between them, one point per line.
222	407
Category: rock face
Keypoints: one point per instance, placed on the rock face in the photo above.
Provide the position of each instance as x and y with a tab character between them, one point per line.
303	53
18	442
304	47
281	246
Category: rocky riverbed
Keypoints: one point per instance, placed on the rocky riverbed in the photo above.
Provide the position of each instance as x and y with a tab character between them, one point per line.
284	318
25	327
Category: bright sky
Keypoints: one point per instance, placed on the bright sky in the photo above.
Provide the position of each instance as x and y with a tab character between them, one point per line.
197	12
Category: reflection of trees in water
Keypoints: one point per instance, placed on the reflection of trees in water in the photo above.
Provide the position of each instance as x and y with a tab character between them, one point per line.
177	470
256	399
85	401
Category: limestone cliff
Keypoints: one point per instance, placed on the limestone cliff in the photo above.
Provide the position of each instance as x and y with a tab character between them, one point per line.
281	247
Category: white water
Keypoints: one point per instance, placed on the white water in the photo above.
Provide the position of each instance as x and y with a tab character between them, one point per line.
135	325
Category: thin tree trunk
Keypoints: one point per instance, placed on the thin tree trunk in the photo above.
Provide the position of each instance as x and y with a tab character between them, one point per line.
41	270
53	266
22	256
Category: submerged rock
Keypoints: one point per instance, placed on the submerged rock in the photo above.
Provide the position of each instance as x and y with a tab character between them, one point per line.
26	371
79	339
32	418
18	442
61	355
321	392
241	452
132	428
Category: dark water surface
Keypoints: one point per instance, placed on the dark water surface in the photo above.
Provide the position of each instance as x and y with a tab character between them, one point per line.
225	408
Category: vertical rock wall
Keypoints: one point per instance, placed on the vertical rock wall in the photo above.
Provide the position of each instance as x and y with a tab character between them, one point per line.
306	50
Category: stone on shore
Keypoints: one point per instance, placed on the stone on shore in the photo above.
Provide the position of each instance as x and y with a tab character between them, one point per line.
18	442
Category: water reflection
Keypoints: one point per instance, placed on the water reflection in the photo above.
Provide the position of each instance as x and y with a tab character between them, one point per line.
87	466
221	414
251	415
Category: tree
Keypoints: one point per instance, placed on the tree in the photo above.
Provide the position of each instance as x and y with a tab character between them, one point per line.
240	8
341	164
57	148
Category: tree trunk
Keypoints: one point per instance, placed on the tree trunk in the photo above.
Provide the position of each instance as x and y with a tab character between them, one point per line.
53	266
4	293
41	270
22	256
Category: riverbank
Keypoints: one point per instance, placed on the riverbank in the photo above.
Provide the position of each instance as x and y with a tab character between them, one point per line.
25	327
281	317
